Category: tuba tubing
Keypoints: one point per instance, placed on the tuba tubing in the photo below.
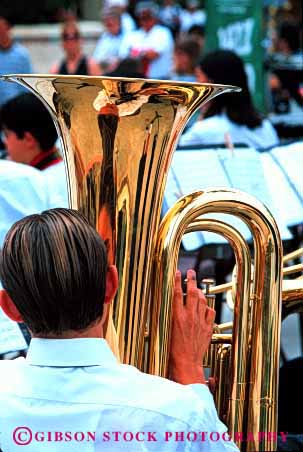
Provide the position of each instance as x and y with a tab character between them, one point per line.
266	296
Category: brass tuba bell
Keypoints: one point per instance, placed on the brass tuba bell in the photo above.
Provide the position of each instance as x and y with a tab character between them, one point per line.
118	137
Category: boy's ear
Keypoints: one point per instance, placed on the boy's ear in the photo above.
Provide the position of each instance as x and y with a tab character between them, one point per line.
30	140
111	283
9	307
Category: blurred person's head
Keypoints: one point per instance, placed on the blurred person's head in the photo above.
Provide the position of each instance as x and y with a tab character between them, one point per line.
186	56
121	5
128	67
71	39
5	33
111	18
27	127
192	5
147	13
227	68
289	38
53	267
197	33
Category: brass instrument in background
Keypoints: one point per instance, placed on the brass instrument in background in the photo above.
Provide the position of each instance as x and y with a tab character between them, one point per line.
118	137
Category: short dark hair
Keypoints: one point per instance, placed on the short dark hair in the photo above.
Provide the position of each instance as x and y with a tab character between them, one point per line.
197	30
190	47
26	113
226	67
53	266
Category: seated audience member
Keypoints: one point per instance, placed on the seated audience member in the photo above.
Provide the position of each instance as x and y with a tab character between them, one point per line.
14	59
30	137
107	49
286	68
152	43
186	56
127	22
197	33
170	14
75	62
229	117
192	15
54	270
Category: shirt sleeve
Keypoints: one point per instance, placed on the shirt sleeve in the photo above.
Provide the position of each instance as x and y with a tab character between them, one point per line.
126	45
162	41
25	61
214	434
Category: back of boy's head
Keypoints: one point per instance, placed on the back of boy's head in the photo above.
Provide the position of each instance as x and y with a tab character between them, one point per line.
53	266
26	113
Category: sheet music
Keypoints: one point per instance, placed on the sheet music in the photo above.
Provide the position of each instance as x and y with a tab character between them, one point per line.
241	168
11	337
246	173
285	199
290	157
187	170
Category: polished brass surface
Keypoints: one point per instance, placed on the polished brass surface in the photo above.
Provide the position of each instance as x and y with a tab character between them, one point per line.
221	288
210	301
292	269
118	137
222	373
265	312
238	374
292	296
293	255
222	327
222	338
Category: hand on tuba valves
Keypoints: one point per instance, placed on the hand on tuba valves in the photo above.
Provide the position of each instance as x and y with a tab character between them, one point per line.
192	328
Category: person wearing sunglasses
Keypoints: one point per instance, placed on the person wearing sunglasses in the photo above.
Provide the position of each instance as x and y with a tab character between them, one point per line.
74	62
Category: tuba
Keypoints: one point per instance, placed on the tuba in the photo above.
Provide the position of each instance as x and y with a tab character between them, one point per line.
118	138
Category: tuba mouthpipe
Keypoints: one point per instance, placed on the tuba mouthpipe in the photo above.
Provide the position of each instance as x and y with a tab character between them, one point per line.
241	333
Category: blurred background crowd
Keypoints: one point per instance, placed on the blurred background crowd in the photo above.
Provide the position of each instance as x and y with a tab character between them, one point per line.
160	40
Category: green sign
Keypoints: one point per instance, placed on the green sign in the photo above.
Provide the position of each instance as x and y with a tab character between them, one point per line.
237	25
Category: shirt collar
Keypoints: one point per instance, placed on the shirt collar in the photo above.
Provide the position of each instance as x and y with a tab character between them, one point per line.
70	353
45	159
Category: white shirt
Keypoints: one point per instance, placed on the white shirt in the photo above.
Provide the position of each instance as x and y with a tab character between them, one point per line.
77	385
56	181
127	22
160	40
190	18
23	191
107	48
213	130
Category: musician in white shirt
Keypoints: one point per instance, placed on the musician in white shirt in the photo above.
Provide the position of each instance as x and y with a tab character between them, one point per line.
54	268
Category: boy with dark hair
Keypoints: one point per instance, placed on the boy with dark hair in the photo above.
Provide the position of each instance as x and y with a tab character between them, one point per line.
29	132
70	388
30	136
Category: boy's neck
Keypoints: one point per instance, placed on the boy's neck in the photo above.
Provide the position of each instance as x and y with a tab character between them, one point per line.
95	331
